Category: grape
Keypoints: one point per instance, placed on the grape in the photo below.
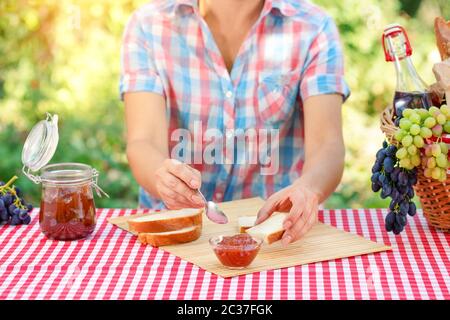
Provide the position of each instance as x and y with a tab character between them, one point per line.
447	127
414	130
429	122
423	113
376	167
13	208
7	199
412	150
23	214
415	118
391	150
381	154
376	187
426	132
374	177
27	220
405	124
427	172
431	163
407	140
415	160
441	161
405	163
435	150
441	119
432	110
15	220
399	134
386	190
401	220
436	173
392	204
410	193
397	228
445	110
395	173
437	130
388	164
418	142
412	209
402	178
444	147
404	207
389	221
406	113
401	153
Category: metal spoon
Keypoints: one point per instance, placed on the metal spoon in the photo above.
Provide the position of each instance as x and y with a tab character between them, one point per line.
213	212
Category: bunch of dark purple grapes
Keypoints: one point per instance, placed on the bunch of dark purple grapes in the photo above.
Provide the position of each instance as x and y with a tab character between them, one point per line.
13	208
394	182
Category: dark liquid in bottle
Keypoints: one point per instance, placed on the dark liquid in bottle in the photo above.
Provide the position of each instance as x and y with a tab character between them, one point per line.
414	100
67	213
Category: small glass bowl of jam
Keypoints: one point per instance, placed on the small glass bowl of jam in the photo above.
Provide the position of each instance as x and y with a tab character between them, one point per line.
237	251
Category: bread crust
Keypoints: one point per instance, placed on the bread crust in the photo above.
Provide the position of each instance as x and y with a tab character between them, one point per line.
243	229
161	239
166	225
273	237
442	31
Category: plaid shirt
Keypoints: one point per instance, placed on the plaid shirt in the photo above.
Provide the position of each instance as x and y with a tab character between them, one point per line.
292	52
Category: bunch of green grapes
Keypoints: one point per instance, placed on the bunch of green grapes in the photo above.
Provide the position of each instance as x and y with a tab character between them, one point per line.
435	162
415	127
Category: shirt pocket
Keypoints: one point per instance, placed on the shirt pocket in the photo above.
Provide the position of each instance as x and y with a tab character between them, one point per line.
277	96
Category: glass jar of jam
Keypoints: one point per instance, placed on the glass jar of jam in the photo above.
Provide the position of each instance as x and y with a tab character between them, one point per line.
67	210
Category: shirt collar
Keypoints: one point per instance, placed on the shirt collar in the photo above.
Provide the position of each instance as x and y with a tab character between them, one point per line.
282	6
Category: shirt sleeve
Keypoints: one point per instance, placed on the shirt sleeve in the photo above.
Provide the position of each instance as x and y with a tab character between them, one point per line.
138	71
323	72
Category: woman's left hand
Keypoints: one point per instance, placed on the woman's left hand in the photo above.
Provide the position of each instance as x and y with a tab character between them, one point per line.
302	205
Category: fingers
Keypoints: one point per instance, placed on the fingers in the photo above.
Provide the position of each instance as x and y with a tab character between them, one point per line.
267	209
187	174
295	213
279	201
171	199
306	219
173	190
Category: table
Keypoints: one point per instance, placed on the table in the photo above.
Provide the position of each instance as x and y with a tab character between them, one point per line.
112	265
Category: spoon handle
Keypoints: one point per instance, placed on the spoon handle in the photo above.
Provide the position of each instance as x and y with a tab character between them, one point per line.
203	197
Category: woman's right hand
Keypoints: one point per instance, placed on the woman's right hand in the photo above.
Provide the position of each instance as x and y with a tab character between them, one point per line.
177	184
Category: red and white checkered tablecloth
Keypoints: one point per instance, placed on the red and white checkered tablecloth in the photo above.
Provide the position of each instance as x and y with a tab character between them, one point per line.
113	265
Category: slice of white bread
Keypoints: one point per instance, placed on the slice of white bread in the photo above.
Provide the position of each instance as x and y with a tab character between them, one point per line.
159	239
246	222
270	230
166	221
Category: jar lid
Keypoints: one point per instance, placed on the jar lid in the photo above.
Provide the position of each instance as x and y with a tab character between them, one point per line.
41	143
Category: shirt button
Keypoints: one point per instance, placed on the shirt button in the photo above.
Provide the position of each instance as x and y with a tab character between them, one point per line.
229	94
219	195
229	135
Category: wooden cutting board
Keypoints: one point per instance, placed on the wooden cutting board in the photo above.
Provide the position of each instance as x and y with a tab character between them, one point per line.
323	242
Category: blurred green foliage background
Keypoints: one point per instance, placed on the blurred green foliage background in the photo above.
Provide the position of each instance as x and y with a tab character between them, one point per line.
63	57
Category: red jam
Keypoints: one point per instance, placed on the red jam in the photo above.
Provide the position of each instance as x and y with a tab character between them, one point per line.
237	251
67	213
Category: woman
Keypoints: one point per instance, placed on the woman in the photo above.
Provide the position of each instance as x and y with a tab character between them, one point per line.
235	66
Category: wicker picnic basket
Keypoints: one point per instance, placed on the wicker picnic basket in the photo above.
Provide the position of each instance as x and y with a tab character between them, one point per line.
434	195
